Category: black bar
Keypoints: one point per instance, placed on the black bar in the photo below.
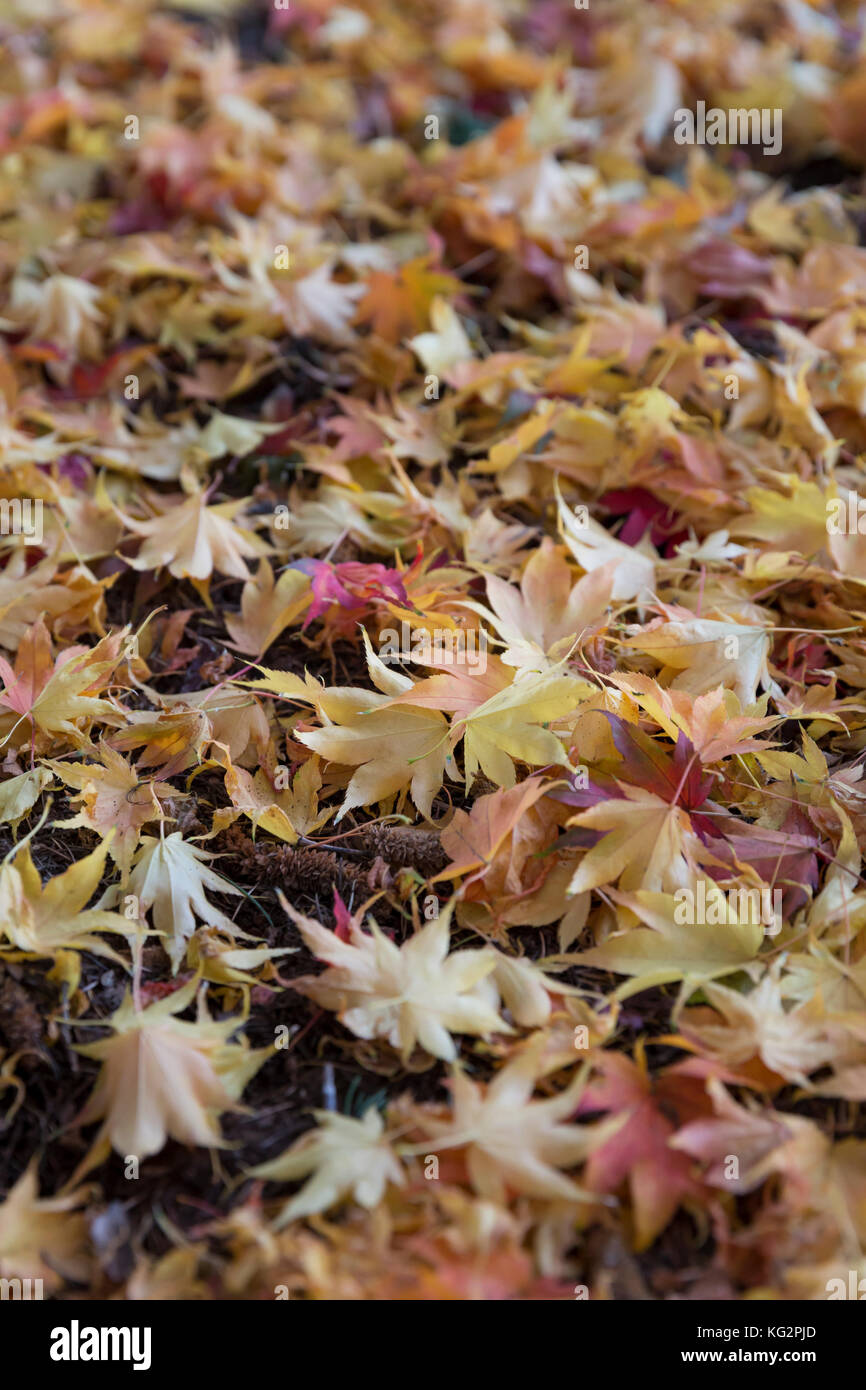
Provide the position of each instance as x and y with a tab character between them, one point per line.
646	1338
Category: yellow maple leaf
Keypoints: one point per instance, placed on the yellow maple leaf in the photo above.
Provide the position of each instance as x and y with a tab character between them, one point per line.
412	993
702	653
165	1078
57	699
113	796
666	950
45	919
268	606
235	718
170	875
542	620
649	843
20	794
215	957
287	811
346	1157
192	540
446	345
632	567
522	440
510	726
506	728
42	1238
790	1042
794	520
71	600
393	749
512	1141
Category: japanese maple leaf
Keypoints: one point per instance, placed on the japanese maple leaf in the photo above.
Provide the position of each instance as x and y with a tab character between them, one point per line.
62	310
58	697
642	511
645	763
43	1237
725	268
113	796
342	1157
436	1272
711	722
646	843
473	839
220	960
667	949
677	778
70	599
43	919
356	429
414	434
749	1135
170	875
499	849
698	654
522	439
351	585
458	691
786	858
171	740
193	539
794	520
318	306
740	1027
512	726
34	667
234	719
542	620
268	605
413	993
501	720
446	345
19	795
397	303
163	1077
513	1142
285	812
659	1177
392	749
632	567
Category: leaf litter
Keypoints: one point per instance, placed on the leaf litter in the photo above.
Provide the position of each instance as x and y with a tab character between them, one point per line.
433	651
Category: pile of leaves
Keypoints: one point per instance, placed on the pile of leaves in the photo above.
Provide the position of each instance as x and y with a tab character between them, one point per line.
417	590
